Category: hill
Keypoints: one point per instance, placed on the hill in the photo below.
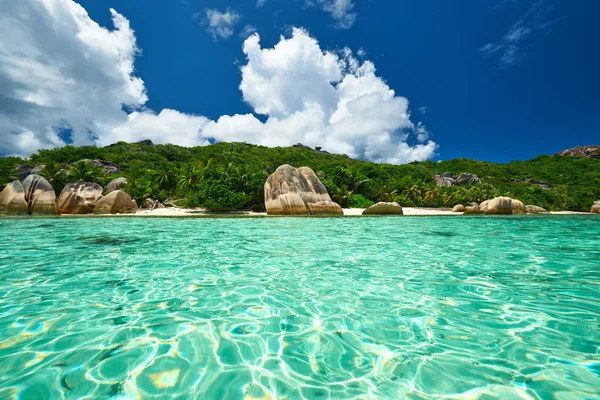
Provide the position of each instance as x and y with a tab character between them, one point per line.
232	175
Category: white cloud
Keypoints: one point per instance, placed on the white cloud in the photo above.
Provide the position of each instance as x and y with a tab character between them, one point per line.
341	11
508	48
320	98
247	31
220	24
59	69
68	72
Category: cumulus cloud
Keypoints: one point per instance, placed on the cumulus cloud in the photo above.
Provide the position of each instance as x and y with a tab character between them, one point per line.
59	70
220	24
320	98
69	74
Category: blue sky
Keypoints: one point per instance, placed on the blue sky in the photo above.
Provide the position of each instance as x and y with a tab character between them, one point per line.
490	80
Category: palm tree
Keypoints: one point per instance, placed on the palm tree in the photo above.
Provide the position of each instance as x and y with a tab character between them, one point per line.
84	171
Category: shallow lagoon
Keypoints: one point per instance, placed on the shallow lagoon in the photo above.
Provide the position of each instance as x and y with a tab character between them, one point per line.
408	307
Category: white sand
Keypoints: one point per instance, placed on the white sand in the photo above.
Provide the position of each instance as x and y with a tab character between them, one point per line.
348	212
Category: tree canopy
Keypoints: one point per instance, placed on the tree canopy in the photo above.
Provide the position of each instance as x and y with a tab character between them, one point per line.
232	176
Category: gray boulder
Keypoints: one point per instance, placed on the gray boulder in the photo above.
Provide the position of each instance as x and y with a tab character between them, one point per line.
40	196
12	200
384	208
79	198
116	184
291	191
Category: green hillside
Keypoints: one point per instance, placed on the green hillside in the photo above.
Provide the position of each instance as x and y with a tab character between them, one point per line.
232	175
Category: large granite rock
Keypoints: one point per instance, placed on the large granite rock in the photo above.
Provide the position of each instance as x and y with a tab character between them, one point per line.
535	210
467	179
12	199
116	202
115	184
383	208
443	181
458	208
291	191
582	151
595	208
40	196
79	198
502	206
472	210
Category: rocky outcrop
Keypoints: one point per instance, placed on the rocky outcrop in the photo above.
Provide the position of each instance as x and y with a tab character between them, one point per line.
458	208
502	206
290	191
79	198
12	200
443	181
115	184
595	208
447	179
535	210
582	151
40	196
383	208
467	179
151	204
116	202
472	210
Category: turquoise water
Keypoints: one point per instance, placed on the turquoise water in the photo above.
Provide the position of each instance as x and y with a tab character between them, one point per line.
408	307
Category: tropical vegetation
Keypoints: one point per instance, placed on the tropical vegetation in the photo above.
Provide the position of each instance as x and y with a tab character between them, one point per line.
232	176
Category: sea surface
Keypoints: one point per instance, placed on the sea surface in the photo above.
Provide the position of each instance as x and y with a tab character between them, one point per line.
300	308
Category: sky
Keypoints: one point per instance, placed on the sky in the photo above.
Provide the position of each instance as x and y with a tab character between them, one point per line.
385	81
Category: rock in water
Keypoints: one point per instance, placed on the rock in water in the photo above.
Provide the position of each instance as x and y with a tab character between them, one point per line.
291	191
595	208
458	208
116	202
40	196
12	200
116	184
535	210
502	206
383	208
79	198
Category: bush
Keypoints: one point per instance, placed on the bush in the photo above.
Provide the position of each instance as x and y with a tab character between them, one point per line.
359	201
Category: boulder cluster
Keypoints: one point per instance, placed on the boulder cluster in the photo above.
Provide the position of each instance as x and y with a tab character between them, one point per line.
36	196
595	208
499	206
448	179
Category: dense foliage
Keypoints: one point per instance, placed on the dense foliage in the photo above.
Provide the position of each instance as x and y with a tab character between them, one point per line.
232	175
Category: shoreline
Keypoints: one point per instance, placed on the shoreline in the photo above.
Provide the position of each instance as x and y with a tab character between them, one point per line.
204	213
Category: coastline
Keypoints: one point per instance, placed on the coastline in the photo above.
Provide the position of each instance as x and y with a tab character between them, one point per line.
204	213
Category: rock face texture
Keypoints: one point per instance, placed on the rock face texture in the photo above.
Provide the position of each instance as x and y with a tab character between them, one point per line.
535	210
582	151
502	206
383	208
458	208
532	181
12	199
595	208
116	202
291	191
447	179
472	210
79	198
40	196
116	184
